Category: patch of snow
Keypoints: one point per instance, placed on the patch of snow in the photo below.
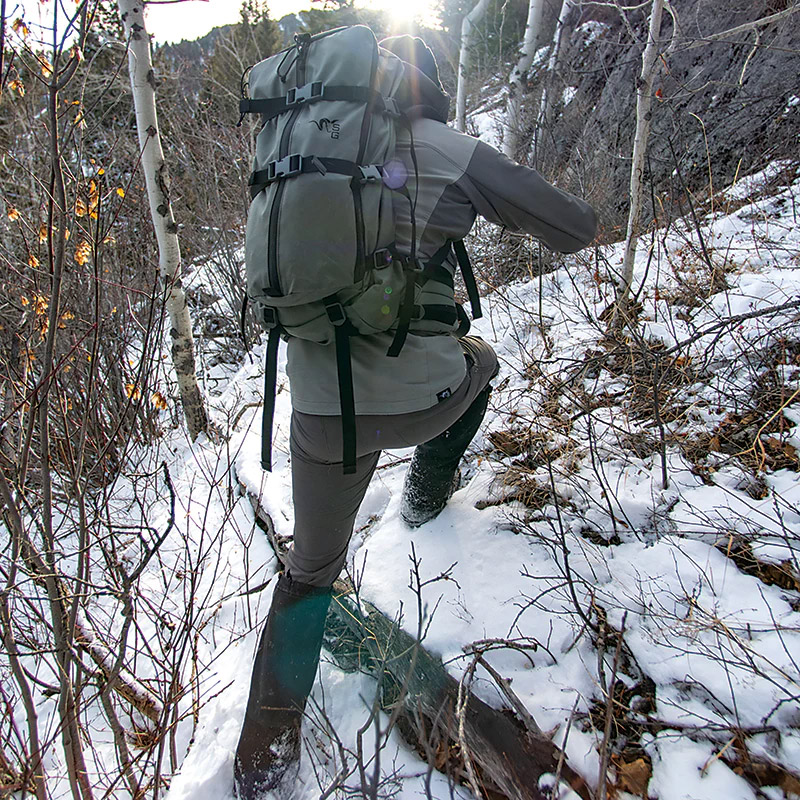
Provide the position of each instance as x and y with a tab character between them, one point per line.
592	30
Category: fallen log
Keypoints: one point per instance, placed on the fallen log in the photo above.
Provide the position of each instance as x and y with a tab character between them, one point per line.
507	758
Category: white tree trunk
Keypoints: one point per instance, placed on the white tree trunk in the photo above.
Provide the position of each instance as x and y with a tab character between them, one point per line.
644	101
157	182
552	66
463	61
519	75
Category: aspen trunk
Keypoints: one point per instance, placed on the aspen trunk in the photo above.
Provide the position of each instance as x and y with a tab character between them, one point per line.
552	66
519	75
644	101
157	181
463	61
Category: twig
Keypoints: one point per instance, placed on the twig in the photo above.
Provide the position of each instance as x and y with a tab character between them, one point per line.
605	752
512	697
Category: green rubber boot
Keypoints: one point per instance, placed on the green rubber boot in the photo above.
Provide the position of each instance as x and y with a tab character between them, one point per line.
268	752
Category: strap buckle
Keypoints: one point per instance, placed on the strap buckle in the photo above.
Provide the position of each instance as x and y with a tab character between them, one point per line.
380	258
391	107
308	93
336	313
370	174
270	317
285	168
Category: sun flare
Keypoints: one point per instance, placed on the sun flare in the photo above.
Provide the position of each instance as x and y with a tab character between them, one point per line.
402	12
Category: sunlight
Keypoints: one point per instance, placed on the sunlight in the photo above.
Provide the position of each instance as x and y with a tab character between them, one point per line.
403	12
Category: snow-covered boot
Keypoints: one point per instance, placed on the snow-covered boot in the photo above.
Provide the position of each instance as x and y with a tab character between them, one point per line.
433	475
283	674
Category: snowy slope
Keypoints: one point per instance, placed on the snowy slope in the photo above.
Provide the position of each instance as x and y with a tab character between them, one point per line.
712	650
563	533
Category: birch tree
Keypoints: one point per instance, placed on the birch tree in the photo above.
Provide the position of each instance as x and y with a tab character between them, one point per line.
644	101
157	182
519	75
467	25
552	66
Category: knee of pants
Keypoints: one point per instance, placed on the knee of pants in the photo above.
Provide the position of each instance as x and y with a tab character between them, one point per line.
315	573
481	357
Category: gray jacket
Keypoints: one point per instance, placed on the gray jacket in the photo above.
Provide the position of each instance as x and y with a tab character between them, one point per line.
459	178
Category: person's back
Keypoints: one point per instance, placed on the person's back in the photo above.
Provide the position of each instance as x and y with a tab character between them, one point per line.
432	394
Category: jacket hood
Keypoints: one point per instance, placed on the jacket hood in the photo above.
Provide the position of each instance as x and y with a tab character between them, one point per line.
421	93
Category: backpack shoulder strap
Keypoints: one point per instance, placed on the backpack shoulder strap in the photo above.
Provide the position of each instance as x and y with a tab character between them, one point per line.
469	278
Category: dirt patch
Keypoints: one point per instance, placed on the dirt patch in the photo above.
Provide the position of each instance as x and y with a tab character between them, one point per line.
781	574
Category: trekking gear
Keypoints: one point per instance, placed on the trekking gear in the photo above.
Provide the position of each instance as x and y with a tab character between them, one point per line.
322	262
283	674
433	474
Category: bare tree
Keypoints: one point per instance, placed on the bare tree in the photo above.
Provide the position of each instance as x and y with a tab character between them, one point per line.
157	180
517	80
644	101
552	66
463	61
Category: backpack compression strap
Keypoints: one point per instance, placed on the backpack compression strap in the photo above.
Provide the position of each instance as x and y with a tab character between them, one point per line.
270	107
270	385
344	370
296	164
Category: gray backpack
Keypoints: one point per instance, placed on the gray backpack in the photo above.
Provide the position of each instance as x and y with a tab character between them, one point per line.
320	257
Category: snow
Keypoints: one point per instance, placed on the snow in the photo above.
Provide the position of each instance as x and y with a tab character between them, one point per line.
720	646
592	30
485	120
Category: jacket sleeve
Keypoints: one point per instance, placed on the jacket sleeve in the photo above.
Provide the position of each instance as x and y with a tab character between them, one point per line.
520	199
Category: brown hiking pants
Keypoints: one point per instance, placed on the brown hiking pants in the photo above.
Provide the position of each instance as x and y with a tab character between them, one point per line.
326	500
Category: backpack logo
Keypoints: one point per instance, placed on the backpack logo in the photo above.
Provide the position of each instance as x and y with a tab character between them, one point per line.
330	126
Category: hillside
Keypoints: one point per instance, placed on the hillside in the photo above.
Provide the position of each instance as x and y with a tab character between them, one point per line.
626	526
617	574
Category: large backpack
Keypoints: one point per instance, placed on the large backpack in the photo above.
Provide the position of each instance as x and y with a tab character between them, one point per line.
320	254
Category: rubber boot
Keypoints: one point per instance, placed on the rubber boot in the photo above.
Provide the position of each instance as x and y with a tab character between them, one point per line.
432	476
283	675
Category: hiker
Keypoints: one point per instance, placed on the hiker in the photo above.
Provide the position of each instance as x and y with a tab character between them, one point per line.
433	394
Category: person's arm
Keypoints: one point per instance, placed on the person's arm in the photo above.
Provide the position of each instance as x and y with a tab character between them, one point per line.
520	199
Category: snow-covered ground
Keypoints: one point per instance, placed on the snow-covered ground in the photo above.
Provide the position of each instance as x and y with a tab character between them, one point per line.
580	516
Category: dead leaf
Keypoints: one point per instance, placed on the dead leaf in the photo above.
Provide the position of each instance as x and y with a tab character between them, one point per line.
634	777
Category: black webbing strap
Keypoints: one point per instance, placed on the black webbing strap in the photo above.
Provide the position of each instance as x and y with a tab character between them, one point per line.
243	322
446	314
438	258
344	372
296	164
270	107
469	278
407	303
436	273
270	385
404	317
